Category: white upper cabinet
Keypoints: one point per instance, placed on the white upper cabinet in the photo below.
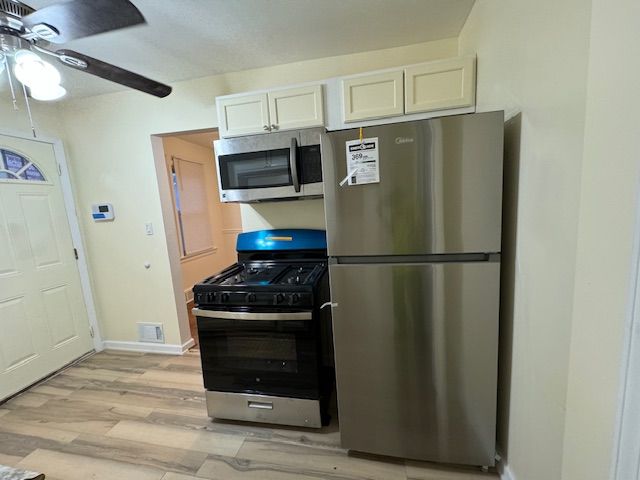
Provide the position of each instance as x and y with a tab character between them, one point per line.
372	96
439	85
411	92
243	114
296	108
273	111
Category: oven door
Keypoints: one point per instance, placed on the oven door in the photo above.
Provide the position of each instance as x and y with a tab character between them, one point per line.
258	168
266	353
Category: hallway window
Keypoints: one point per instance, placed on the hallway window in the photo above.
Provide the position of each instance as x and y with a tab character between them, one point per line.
191	209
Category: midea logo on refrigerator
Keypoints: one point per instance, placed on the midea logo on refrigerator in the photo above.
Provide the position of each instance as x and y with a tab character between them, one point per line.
400	140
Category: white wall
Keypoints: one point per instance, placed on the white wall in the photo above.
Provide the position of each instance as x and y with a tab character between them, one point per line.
532	62
302	214
608	212
46	116
110	150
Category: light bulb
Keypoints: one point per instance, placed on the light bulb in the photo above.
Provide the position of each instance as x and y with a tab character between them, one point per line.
24	56
47	92
34	72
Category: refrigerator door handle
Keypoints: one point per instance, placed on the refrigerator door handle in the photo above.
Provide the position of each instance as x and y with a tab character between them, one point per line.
328	304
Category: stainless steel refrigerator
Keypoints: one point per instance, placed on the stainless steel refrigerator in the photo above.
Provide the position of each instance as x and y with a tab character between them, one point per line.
415	286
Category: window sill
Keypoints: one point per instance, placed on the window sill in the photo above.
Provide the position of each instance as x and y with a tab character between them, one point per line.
196	255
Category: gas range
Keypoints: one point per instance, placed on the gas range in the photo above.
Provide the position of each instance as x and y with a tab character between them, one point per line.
262	283
265	341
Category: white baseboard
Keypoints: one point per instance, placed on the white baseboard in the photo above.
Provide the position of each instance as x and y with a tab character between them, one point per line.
505	472
162	348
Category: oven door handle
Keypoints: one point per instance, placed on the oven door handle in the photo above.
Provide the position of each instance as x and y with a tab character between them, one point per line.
268	316
293	164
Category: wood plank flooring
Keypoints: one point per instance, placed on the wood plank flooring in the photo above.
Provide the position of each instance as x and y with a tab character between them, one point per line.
121	415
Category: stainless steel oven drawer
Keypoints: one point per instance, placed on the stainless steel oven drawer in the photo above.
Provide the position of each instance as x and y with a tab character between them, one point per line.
298	412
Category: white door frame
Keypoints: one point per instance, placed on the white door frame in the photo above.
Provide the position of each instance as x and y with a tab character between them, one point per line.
626	448
74	226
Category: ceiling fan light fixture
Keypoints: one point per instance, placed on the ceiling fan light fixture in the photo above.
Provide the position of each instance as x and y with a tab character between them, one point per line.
47	92
25	56
34	72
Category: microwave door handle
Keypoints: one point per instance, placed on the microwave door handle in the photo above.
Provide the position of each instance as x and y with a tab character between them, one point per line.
293	164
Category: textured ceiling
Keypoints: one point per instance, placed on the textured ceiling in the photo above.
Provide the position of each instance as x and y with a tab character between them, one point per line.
187	39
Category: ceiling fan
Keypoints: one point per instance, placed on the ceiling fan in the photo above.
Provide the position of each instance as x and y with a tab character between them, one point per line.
25	32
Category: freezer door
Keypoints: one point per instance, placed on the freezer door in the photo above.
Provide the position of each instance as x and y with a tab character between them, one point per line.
416	359
440	189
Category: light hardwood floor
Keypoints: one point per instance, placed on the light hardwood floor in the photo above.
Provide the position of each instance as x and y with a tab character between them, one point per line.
121	416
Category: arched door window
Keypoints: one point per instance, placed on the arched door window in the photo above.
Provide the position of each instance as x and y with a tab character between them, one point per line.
14	166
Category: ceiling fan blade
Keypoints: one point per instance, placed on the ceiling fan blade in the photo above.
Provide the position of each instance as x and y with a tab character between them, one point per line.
111	72
62	22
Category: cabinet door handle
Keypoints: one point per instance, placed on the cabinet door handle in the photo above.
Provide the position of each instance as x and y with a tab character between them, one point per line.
274	126
266	128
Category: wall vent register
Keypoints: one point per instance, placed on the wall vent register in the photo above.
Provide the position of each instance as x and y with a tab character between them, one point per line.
151	332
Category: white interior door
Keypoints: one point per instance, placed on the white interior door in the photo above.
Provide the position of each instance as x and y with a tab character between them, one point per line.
43	318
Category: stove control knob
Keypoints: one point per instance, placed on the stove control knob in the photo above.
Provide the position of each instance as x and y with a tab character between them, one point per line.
279	298
210	297
295	298
225	297
251	297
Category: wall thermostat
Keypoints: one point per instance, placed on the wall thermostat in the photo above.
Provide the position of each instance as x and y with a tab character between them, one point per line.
102	212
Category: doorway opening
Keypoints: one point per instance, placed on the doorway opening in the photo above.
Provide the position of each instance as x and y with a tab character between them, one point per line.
201	230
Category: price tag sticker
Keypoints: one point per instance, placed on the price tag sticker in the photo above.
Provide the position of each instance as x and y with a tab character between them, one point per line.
363	161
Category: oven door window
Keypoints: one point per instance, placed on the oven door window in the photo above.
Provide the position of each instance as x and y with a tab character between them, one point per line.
275	352
255	170
261	357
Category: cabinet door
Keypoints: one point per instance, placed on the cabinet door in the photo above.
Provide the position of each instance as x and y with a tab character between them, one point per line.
243	115
372	96
296	108
440	85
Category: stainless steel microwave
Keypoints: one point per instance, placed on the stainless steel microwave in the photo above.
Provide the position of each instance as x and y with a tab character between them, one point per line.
273	166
